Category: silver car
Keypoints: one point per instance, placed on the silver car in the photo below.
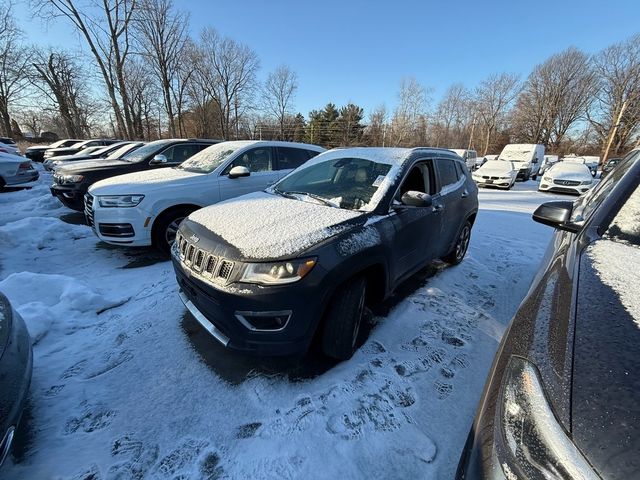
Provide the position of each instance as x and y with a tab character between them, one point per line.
16	171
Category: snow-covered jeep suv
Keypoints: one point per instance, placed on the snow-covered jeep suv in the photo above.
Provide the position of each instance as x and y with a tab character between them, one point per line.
264	271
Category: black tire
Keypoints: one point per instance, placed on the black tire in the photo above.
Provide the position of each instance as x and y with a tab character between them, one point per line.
343	319
2	183
456	255
165	227
534	177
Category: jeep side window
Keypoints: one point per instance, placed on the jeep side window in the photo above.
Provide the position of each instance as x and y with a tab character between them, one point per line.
419	179
447	171
256	160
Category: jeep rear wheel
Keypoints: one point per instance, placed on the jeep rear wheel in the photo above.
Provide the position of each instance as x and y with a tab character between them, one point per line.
166	226
343	319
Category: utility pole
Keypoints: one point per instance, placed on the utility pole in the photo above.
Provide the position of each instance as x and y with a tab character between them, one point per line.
473	127
613	132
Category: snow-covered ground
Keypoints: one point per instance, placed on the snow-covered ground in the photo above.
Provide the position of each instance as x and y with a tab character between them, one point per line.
126	385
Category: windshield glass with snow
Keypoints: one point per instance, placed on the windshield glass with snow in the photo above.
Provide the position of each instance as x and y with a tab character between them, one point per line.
516	154
210	158
347	183
145	151
120	152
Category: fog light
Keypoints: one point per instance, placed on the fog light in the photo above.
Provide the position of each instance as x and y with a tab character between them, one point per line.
264	321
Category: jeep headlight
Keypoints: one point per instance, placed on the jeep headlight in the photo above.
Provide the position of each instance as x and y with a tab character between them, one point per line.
113	201
538	446
277	273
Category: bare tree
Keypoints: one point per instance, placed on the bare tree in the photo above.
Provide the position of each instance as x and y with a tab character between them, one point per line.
278	94
555	96
376	131
408	117
226	73
14	64
162	36
452	117
105	27
615	114
60	77
493	98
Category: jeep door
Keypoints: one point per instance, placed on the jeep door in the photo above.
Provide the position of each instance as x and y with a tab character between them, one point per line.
453	195
261	164
417	229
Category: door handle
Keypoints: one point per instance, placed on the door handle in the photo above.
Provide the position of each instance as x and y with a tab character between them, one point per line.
465	194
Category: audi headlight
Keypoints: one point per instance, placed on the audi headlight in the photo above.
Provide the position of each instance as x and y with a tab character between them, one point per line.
113	201
534	439
278	273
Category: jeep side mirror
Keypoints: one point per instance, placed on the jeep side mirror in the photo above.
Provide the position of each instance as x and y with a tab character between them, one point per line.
159	160
239	171
557	215
413	198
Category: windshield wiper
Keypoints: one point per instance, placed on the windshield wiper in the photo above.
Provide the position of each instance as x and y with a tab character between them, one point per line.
295	194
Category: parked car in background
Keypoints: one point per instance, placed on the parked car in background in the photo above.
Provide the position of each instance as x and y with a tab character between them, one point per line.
590	162
548	162
8	145
77	147
264	272
496	173
16	363
609	166
113	151
71	182
469	157
36	153
527	157
145	209
16	171
562	396
567	177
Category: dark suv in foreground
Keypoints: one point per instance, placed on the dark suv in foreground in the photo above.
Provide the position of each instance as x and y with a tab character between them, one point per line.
563	396
71	183
265	271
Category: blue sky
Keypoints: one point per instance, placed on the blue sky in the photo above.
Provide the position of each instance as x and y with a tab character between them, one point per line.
356	50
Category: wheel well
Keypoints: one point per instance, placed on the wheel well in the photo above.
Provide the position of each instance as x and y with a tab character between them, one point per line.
184	206
472	218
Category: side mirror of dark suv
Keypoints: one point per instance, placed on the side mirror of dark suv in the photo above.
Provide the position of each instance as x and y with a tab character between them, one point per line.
413	198
557	215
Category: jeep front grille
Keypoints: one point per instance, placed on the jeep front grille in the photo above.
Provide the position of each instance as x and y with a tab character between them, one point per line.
198	260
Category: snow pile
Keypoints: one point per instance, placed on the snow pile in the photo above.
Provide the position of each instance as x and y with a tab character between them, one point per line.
45	299
40	232
611	261
264	226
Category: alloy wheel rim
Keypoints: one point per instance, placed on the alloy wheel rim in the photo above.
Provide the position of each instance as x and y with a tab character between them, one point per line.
172	229
356	329
463	243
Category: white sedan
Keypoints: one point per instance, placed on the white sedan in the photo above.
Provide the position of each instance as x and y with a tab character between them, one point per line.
496	173
16	171
567	177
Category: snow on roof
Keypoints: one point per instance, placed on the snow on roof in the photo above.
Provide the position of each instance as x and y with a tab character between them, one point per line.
264	226
386	155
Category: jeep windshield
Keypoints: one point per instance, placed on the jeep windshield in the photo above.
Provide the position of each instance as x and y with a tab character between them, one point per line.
348	183
207	160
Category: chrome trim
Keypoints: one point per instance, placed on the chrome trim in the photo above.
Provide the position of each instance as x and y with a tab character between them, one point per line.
5	444
241	314
202	320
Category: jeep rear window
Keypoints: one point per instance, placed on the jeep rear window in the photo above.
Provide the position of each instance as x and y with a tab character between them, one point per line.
348	183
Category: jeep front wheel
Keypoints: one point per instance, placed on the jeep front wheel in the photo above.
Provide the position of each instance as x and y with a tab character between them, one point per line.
343	318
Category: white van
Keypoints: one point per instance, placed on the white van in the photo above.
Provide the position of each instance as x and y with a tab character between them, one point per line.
526	156
469	157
